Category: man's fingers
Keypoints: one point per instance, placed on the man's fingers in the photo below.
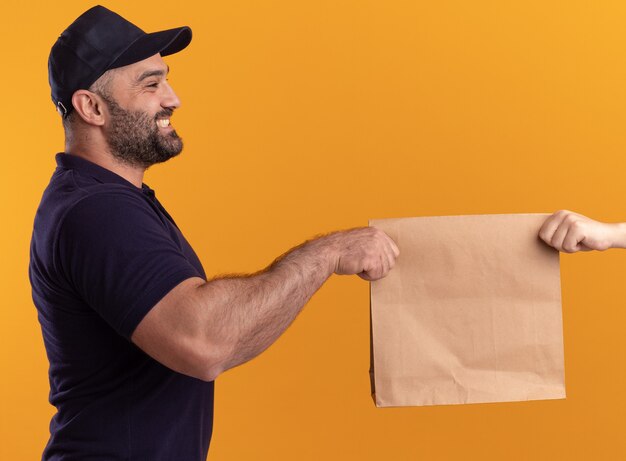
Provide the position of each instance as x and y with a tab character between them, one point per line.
384	264
378	270
394	247
369	249
390	254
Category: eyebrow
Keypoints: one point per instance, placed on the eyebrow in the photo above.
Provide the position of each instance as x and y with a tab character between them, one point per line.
152	73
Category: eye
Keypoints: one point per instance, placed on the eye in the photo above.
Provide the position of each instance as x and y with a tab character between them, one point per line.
153	85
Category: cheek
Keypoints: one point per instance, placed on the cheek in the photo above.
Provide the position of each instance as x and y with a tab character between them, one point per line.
148	104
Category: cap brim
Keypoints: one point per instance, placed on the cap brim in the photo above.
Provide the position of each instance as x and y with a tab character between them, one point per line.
164	42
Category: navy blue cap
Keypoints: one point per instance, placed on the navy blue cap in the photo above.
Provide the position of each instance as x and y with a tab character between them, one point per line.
99	40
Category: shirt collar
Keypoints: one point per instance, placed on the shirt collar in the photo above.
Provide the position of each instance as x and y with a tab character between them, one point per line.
101	174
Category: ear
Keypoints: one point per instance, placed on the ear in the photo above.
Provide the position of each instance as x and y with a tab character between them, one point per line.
89	106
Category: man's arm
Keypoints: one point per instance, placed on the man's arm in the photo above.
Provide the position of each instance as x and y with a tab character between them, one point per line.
204	328
570	232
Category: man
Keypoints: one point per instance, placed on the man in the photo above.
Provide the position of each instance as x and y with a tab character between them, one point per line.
134	332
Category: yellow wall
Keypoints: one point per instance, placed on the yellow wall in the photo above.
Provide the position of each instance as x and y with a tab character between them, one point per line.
301	117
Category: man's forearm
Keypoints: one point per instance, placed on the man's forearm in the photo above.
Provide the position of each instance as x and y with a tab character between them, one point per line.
202	328
246	314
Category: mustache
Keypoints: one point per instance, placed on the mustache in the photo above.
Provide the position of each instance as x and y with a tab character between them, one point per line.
167	113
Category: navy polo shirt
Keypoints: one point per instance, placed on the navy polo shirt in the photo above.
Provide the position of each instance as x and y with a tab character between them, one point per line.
103	253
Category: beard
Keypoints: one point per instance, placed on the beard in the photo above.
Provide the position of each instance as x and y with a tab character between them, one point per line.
135	139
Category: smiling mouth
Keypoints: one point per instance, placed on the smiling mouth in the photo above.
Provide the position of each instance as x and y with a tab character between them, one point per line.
163	122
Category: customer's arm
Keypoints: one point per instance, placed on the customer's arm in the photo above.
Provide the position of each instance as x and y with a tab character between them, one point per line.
204	328
569	232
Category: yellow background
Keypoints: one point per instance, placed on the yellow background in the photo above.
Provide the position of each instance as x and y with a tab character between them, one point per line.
302	117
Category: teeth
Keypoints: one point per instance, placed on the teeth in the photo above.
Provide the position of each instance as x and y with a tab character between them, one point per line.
163	122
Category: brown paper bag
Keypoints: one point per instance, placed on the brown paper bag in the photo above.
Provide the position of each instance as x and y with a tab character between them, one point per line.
470	313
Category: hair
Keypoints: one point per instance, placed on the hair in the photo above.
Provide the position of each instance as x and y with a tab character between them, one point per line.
100	87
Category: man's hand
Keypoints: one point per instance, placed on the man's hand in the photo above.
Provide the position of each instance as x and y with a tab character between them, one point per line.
570	232
365	251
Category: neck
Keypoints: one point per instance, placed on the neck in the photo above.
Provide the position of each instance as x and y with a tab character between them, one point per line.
101	155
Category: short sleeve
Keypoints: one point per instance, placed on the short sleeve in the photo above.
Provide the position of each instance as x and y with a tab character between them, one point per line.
119	256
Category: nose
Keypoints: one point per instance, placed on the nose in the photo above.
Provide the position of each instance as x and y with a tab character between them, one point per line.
170	100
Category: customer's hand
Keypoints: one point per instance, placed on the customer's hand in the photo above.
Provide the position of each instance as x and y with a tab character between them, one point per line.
570	232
